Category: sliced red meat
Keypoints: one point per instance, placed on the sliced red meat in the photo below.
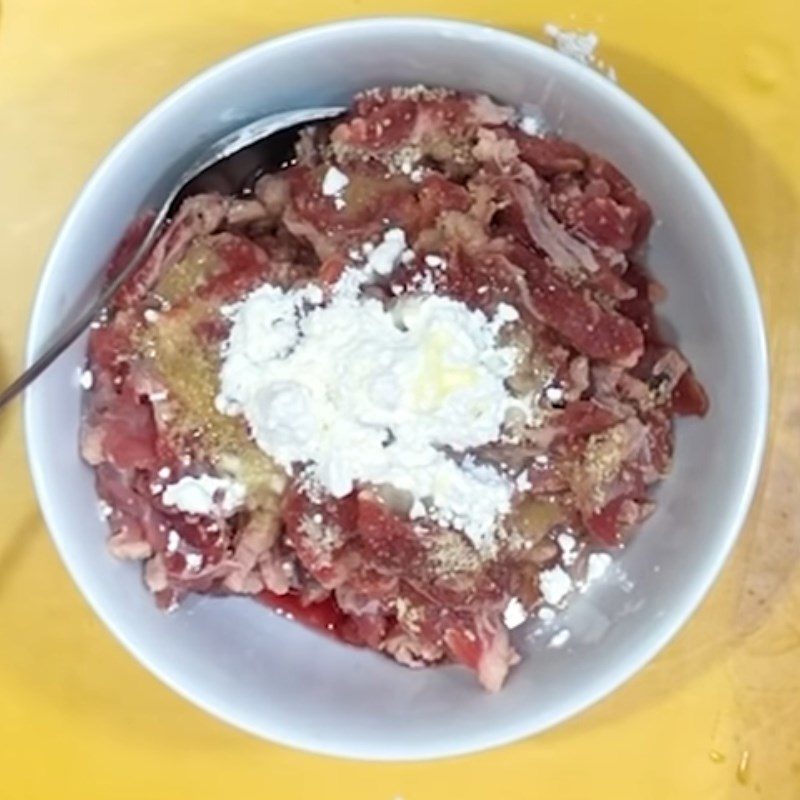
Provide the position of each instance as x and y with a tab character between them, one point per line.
606	523
383	120
378	123
138	528
297	505
625	195
324	615
639	308
109	344
243	267
320	532
689	399
659	445
550	156
438	194
131	239
529	217
591	329
486	649
332	269
370	201
389	540
129	432
197	216
583	418
608	224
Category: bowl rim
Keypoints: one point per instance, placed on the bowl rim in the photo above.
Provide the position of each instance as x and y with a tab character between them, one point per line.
741	270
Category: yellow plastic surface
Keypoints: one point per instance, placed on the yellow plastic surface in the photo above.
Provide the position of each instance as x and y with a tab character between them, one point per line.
716	716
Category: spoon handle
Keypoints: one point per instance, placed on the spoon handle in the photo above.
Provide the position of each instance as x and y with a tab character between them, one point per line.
75	328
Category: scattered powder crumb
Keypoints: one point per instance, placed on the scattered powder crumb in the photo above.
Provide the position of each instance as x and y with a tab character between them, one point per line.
173	540
555	584
164	472
554	394
546	614
334	182
569	548
86	379
405	161
596	566
417	509
580	46
326	538
433	260
381	258
194	561
621	578
559	639
514	614
150	315
205	495
533	124
104	509
426	285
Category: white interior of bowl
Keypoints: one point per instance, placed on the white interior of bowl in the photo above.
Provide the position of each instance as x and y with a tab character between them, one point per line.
279	680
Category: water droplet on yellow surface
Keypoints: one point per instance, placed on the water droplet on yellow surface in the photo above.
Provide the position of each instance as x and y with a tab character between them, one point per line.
743	768
763	65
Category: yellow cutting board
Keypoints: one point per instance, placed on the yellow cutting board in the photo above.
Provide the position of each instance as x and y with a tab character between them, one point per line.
716	716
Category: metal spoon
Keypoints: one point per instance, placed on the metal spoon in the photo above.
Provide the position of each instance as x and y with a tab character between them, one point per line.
228	166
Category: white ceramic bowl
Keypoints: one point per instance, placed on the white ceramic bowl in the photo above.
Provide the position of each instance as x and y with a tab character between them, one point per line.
281	681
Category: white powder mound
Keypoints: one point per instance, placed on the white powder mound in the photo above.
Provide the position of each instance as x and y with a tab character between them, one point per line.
357	392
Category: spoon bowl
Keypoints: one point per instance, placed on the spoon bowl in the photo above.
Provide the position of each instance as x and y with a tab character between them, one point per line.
227	166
